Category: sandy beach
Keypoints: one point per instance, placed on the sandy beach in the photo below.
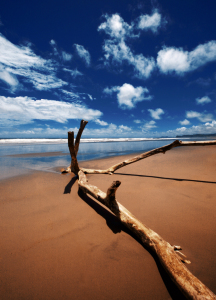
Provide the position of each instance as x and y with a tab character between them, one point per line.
57	243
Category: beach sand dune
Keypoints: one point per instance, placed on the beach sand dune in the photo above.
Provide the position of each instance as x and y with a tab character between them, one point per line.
57	243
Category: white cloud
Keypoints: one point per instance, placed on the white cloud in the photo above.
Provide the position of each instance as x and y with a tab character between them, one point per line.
171	59
203	117
71	96
181	129
148	126
66	56
147	22
203	100
62	54
128	96
137	121
102	123
185	122
110	131
156	114
115	26
207	128
74	73
7	77
25	109
116	51
22	61
124	128
83	53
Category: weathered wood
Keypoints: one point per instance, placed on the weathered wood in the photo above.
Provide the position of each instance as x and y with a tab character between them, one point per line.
74	167
190	285
82	127
169	256
162	149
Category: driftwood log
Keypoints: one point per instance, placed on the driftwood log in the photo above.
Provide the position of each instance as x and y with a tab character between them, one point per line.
170	257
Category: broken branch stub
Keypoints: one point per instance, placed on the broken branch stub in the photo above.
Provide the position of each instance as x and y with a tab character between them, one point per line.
168	255
78	137
74	163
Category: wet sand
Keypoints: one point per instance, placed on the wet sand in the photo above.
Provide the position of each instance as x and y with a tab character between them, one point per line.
44	154
57	243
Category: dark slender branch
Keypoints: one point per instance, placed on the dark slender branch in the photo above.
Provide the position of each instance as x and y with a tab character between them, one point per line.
74	163
78	137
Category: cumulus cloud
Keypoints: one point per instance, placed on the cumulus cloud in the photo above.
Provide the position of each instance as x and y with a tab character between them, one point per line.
148	126
116	51
147	22
207	128
203	100
100	122
115	26
23	62
111	130
22	110
83	53
128	95
156	114
203	117
171	59
185	122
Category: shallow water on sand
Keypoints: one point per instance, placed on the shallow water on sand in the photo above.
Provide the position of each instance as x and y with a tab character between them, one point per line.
17	159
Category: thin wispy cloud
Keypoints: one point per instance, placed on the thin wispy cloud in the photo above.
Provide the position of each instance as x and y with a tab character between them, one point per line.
203	100
21	62
60	53
74	73
137	121
83	53
203	117
24	110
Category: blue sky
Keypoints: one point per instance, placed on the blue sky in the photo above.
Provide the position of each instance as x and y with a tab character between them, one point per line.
131	68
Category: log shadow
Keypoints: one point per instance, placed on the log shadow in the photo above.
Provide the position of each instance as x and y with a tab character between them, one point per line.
116	226
68	187
168	178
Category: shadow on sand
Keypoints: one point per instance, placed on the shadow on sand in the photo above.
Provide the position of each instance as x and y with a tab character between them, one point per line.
116	226
167	178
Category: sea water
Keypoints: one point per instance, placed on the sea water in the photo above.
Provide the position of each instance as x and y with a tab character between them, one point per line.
19	156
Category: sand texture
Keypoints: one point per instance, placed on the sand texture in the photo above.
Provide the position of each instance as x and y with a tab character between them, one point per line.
57	243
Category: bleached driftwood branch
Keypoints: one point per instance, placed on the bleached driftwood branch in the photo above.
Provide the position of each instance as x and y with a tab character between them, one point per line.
169	256
162	149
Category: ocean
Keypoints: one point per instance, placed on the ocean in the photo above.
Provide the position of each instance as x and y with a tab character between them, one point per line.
20	156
